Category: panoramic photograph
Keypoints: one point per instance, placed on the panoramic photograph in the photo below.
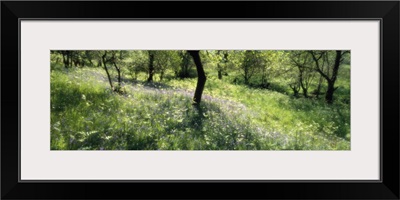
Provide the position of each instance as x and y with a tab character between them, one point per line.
200	100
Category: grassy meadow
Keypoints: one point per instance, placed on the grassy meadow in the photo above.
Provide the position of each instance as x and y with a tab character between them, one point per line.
86	114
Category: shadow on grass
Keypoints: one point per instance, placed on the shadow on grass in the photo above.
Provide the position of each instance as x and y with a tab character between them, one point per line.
152	84
199	130
203	127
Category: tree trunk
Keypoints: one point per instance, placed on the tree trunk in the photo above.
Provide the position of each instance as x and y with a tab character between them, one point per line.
329	92
301	81
246	74
69	58
246	80
295	93
305	92
201	76
219	72
183	72
161	75
304	88
65	60
99	63
338	60
151	67
295	87
119	74
264	82
219	67
319	86
108	74
331	82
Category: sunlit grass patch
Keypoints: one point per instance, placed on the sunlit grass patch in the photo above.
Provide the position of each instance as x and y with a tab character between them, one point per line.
87	115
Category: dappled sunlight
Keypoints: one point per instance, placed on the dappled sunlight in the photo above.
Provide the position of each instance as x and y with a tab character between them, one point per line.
87	114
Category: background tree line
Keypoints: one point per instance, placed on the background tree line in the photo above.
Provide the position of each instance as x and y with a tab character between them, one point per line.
306	73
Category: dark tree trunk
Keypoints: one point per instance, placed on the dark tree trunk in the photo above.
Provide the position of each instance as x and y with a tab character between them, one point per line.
246	80
295	93
331	83
108	74
338	60
151	67
74	60
296	88
219	68
331	80
99	63
264	81
201	77
246	72
246	75
329	93
119	74
219	72
304	88
69	58
183	72
301	81
318	92
305	92
65	60
161	75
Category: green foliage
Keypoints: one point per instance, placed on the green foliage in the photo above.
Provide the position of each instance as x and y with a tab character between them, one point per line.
87	115
185	66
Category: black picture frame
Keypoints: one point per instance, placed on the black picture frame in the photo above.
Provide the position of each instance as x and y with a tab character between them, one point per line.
386	11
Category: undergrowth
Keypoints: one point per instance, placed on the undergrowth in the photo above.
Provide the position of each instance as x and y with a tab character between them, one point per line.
87	115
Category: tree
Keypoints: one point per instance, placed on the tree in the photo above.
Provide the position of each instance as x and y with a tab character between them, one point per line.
185	65
66	55
219	60
251	63
138	62
248	66
76	58
104	62
332	60
151	65
89	56
222	60
116	59
303	62
317	91
165	60
201	76
295	86
271	65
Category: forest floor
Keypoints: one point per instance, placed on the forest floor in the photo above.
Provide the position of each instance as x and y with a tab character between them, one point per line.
87	115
